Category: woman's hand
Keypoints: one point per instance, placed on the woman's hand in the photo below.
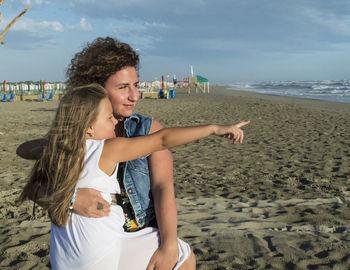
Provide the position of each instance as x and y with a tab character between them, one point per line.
86	201
234	133
164	258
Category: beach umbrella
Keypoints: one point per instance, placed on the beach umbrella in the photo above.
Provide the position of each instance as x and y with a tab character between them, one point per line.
5	87
44	87
162	82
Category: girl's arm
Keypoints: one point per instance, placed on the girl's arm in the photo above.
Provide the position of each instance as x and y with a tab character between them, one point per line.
124	149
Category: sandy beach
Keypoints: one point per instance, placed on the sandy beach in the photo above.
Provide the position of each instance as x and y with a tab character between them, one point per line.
280	200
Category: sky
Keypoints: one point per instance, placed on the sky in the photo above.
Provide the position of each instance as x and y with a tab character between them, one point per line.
224	40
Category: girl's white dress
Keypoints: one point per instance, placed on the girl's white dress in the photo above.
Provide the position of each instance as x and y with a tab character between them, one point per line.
101	243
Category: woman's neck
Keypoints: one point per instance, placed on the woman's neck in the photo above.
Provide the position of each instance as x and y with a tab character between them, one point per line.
119	128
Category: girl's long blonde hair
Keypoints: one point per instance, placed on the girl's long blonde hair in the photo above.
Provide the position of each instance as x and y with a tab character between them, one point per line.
56	173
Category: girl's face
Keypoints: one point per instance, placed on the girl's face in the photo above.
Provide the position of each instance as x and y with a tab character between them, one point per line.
122	91
103	127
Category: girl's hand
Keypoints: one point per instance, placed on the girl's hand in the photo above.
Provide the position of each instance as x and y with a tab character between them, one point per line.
234	133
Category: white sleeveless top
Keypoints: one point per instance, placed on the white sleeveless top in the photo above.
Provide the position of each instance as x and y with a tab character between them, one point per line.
101	243
84	240
92	176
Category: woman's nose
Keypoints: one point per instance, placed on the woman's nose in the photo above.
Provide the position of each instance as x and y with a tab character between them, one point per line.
134	94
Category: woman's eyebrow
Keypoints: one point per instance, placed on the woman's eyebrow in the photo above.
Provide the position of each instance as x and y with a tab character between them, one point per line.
122	84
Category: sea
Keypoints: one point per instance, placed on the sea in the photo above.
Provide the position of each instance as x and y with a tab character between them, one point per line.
329	90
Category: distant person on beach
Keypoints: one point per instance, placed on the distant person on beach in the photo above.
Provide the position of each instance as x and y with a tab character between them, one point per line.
83	151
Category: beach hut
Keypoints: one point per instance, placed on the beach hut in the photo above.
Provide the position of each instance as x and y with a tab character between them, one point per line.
198	82
150	89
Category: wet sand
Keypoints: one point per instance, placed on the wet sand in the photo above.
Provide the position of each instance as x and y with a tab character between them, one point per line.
279	201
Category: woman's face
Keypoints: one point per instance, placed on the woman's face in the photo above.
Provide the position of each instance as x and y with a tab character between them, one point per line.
122	91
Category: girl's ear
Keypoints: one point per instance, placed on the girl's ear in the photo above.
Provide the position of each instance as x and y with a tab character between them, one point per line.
90	132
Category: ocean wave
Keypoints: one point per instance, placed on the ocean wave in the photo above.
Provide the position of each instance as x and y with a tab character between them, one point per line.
330	90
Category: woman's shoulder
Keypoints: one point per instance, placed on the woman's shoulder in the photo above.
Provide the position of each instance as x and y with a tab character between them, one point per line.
140	118
145	124
138	125
156	125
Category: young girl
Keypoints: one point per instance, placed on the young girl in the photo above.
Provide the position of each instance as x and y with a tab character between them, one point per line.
83	151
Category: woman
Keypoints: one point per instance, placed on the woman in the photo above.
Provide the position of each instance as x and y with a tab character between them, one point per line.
114	65
83	151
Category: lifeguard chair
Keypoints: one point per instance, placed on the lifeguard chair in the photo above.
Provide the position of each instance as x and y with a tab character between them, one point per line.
198	82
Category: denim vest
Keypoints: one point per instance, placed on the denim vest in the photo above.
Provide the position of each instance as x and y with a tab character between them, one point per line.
136	172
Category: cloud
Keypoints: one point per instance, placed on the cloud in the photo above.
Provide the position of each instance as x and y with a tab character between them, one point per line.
131	27
127	27
26	24
24	40
336	23
27	34
41	2
155	25
141	34
36	30
14	3
224	27
83	25
137	8
224	45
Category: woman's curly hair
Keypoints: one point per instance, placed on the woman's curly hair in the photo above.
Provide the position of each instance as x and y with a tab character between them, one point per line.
99	60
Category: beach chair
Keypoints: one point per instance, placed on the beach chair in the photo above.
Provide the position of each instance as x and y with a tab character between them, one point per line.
160	93
42	97
4	98
50	97
172	93
12	97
